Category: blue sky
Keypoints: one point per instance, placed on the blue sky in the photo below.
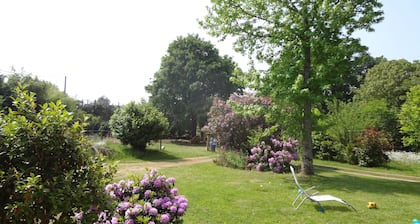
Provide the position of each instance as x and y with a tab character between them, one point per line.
113	48
398	36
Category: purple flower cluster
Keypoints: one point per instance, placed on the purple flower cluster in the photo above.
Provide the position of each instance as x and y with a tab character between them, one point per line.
231	122
276	156
152	199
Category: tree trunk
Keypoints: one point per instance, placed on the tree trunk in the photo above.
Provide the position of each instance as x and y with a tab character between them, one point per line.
193	126
307	154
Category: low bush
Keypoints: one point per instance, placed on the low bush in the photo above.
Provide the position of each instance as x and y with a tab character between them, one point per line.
325	148
137	124
151	199
232	159
371	148
275	155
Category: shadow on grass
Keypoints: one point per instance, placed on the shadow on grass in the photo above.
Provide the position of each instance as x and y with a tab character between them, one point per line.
327	180
338	207
153	155
150	155
330	181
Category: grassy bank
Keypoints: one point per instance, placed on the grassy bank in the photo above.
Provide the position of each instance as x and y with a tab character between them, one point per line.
170	151
223	195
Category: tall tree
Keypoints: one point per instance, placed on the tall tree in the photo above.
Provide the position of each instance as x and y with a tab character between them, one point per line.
101	111
5	93
307	43
410	118
390	80
191	74
45	91
356	76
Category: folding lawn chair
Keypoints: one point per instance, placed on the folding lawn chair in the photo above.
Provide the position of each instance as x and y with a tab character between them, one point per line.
304	194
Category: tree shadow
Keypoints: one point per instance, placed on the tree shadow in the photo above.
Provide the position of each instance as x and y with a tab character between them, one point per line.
330	181
153	155
149	155
351	183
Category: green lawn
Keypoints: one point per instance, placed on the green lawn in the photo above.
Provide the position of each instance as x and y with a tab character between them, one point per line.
153	152
223	195
394	167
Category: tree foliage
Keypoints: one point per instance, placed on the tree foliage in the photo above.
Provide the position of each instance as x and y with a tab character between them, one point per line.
356	76
5	92
346	121
47	169
100	112
138	124
390	80
191	74
308	45
45	91
410	118
339	130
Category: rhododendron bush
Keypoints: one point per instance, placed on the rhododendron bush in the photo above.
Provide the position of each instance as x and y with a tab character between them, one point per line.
275	155
152	199
232	122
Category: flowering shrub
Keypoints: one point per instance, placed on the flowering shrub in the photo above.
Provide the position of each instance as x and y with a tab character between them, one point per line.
151	200
231	128
371	148
276	156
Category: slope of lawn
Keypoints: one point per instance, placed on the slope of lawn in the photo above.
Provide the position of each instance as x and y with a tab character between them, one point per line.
153	152
223	195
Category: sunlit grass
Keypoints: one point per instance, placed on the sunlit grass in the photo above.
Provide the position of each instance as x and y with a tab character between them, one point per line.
223	195
154	152
393	167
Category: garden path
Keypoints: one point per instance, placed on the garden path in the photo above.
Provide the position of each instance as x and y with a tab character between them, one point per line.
136	167
381	175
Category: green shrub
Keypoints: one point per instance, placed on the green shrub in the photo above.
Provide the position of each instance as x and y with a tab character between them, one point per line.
325	148
230	158
138	124
371	147
47	172
346	121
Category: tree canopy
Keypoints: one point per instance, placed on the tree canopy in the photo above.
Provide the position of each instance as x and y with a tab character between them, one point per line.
390	80
410	118
101	111
307	44
191	74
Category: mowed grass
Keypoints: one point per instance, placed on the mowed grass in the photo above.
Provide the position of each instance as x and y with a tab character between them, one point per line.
153	152
394	167
224	195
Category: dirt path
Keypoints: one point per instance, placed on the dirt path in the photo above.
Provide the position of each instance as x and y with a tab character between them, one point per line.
387	176
140	167
136	167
